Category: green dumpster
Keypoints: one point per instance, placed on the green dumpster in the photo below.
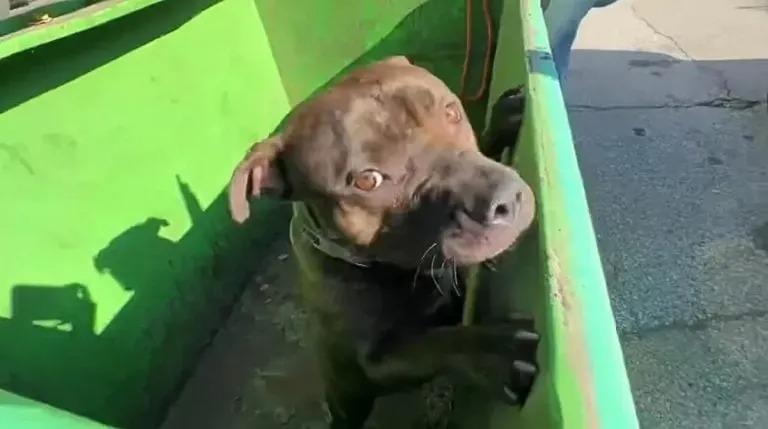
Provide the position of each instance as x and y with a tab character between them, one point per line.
120	122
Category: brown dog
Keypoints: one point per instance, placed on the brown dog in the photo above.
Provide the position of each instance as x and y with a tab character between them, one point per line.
392	200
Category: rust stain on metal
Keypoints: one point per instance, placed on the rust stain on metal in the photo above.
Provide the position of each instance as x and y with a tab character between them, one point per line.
576	340
42	19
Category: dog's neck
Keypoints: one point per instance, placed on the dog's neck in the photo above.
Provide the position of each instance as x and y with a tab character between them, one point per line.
309	229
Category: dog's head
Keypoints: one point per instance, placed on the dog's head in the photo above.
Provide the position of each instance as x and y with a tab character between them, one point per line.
388	163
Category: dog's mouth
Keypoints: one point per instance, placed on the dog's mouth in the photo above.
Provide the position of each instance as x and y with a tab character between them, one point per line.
470	242
473	248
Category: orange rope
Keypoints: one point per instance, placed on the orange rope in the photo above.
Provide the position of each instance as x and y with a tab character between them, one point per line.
467	47
468	50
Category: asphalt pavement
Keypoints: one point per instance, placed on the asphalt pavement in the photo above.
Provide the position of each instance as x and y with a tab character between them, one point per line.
667	101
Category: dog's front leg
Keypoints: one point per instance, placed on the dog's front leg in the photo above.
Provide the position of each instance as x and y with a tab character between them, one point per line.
497	358
348	405
349	393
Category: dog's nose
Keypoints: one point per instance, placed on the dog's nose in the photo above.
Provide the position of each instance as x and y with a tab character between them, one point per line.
491	193
495	204
484	192
504	207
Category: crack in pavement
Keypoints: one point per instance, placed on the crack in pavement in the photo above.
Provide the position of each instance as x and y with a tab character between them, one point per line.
719	73
733	103
696	325
658	32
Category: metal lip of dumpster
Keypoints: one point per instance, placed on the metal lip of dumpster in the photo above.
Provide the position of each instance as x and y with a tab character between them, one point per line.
69	24
23	413
584	363
577	287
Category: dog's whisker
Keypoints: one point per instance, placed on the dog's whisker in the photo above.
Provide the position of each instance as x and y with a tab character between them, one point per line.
456	271
432	274
418	266
490	264
443	273
455	278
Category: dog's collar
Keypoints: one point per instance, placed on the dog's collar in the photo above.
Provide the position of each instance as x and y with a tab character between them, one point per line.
309	229
333	249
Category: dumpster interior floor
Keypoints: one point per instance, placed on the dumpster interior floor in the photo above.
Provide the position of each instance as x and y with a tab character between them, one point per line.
258	371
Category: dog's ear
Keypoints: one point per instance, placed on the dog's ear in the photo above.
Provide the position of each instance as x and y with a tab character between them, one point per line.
259	173
398	59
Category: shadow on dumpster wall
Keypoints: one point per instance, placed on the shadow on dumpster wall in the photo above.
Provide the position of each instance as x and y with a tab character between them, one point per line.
126	375
68	307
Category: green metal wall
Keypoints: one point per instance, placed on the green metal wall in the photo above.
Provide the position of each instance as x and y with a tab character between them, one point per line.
114	147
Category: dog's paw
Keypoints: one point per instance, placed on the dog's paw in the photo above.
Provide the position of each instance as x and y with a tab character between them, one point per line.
505	123
503	358
522	376
521	355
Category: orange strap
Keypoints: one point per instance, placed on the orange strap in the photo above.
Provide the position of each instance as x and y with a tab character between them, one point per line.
468	51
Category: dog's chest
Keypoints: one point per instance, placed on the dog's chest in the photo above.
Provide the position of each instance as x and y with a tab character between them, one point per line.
369	303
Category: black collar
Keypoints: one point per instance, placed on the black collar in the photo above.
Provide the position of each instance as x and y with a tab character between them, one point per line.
308	228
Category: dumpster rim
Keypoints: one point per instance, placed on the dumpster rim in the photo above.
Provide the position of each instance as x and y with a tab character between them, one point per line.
69	24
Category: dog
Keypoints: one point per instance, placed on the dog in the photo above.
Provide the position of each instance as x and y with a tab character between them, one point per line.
393	200
506	122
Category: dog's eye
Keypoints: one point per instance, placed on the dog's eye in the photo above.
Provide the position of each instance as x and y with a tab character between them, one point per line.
368	180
